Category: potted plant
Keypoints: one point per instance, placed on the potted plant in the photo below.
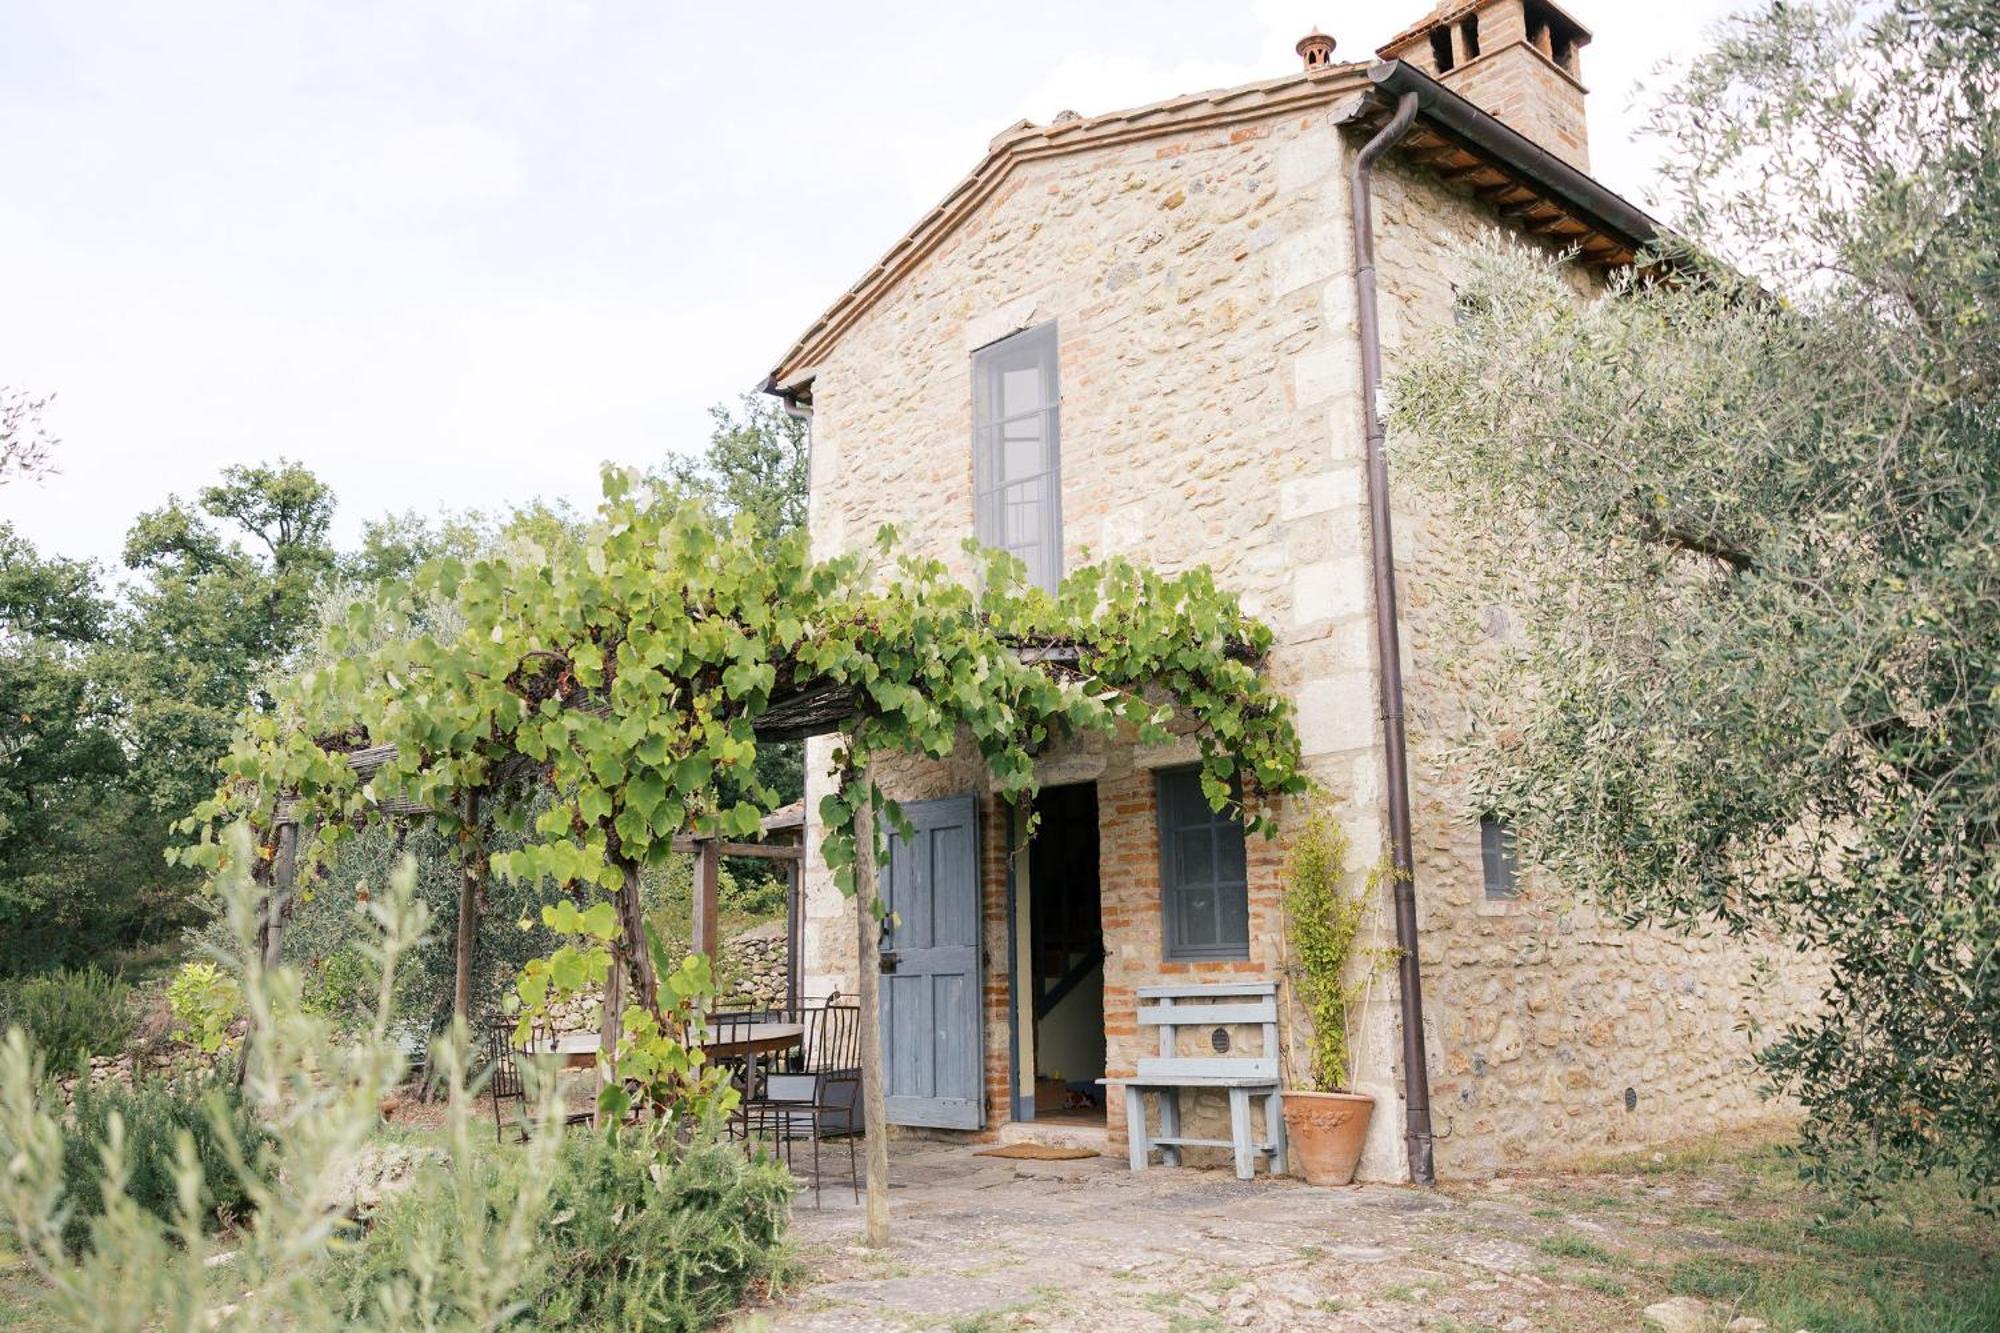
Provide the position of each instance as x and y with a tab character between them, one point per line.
1325	1122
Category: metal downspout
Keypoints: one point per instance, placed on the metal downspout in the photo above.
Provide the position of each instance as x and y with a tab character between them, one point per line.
1388	651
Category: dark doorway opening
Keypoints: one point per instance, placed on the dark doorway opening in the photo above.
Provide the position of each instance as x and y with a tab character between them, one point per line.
1066	954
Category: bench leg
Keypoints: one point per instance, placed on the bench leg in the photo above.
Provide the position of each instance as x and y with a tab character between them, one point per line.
1135	1127
1239	1133
1170	1125
1274	1125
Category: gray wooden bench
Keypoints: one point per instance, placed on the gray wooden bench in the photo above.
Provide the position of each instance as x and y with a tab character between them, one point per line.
1244	1078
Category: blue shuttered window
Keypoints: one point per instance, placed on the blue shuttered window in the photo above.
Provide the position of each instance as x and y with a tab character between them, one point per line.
1204	878
1017	453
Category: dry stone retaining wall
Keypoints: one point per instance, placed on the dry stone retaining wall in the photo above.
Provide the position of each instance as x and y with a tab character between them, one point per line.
752	968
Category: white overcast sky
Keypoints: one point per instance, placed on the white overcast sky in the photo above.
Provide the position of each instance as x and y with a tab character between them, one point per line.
455	253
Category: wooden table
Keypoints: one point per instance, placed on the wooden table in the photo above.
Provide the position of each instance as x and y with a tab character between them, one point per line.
737	1041
733	1039
577	1049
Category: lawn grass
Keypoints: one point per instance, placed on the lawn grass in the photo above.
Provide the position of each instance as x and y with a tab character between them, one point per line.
1575	1247
24	1301
1924	1261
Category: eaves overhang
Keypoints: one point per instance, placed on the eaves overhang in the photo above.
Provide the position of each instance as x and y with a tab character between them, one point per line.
1529	187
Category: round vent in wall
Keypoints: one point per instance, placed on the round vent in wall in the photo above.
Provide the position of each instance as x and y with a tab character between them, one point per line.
1631	1099
1218	1041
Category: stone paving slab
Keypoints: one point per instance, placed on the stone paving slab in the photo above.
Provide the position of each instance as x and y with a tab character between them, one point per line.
984	1244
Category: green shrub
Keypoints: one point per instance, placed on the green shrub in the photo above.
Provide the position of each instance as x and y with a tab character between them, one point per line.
1324	920
156	1113
70	1014
641	1233
342	988
668	1239
318	1099
204	1001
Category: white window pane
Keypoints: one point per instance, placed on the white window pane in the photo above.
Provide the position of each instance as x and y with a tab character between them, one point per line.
1021	457
1020	390
1023	525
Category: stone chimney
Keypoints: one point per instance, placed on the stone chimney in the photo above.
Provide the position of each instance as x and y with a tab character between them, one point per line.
1515	59
1316	49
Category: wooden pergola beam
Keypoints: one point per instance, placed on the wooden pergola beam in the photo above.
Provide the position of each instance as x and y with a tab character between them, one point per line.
763	851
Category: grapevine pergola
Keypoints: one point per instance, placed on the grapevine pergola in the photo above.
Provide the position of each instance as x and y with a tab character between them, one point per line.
610	699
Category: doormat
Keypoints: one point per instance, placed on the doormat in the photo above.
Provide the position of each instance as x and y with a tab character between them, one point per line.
1037	1152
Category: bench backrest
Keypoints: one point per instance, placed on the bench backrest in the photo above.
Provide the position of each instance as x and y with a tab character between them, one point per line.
1171	1008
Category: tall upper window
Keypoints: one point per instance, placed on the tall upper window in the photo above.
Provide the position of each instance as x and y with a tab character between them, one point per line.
1016	450
1204	882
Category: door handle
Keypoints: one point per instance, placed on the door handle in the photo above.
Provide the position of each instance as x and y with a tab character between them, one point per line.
889	961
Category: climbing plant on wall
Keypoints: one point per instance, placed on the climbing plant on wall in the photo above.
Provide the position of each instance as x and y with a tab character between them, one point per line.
627	680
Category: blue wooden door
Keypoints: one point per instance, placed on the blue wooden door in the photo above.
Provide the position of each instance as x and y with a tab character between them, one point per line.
931	974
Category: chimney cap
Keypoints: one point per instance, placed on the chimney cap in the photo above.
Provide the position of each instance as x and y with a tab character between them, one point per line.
1316	49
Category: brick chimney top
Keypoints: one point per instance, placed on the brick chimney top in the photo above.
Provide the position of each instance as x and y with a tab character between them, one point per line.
1517	59
1316	49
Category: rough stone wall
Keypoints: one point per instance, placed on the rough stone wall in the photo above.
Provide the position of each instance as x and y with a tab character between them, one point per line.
1541	1012
753	965
1202	289
1211	414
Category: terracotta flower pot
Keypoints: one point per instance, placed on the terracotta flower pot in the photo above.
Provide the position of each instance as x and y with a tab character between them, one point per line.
1325	1131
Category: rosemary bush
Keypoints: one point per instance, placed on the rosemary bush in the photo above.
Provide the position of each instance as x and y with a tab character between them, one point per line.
204	1108
70	1014
641	1232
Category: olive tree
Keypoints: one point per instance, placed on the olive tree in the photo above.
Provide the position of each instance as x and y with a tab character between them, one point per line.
1745	530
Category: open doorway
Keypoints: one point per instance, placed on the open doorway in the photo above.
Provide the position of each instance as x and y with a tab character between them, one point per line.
1066	956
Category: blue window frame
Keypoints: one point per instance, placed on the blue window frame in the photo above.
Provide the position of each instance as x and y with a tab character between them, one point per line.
1204	876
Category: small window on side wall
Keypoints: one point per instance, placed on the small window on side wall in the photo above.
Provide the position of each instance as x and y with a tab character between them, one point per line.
1204	877
1017	451
1496	856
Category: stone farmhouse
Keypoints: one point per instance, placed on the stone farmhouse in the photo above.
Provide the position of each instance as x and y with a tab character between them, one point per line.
1156	333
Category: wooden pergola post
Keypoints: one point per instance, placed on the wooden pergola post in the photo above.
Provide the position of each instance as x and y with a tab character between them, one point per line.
707	878
868	962
472	866
794	933
279	882
284	882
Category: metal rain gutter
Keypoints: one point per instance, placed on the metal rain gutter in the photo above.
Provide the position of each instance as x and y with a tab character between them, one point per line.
1388	649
